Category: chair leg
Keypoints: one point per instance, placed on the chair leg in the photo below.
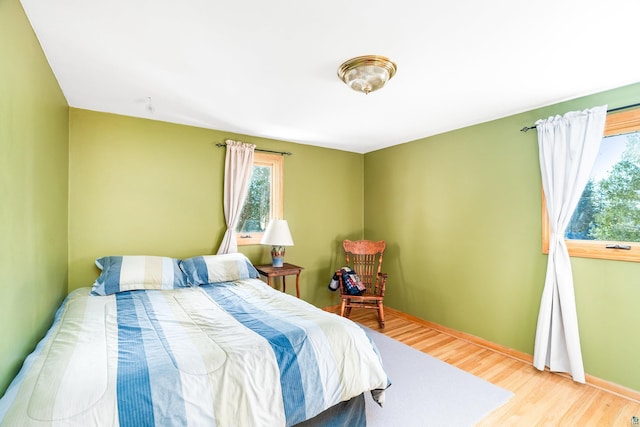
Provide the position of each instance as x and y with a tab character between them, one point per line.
343	307
381	314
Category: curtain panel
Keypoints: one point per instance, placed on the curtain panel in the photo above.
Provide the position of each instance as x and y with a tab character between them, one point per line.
568	147
238	166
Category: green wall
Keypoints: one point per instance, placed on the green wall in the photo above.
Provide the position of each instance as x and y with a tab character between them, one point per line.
146	187
461	212
33	191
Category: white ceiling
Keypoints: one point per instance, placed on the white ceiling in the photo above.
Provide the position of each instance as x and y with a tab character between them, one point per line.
268	68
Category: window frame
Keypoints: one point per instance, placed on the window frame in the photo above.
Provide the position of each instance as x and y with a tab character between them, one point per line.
616	124
276	163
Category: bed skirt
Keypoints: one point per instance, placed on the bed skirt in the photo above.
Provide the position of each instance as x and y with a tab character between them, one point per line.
349	413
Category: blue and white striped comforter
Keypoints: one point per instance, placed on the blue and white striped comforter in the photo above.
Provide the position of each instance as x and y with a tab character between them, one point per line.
232	354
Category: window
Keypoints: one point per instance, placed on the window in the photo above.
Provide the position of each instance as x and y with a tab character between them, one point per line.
264	200
606	222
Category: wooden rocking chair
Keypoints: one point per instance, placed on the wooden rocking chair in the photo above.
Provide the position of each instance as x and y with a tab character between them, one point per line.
365	258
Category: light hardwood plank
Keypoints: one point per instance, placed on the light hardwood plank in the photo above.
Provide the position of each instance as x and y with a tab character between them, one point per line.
541	398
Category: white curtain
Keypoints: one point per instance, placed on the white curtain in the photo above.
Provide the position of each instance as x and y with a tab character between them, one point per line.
238	165
568	147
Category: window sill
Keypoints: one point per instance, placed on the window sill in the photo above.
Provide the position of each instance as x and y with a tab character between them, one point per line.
598	250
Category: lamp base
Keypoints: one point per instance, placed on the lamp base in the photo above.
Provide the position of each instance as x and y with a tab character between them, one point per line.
277	256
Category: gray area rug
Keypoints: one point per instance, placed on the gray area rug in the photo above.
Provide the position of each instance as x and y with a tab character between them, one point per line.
427	392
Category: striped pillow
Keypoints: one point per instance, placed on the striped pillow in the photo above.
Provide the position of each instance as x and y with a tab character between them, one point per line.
128	273
202	270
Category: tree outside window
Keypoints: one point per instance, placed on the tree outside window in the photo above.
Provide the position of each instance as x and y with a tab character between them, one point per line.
264	199
256	210
609	208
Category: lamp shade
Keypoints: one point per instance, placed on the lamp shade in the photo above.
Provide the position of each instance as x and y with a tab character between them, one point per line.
277	233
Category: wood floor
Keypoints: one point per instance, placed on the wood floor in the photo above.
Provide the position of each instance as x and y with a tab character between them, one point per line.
540	398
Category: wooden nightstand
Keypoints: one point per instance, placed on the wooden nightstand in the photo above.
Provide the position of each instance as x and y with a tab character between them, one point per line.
287	269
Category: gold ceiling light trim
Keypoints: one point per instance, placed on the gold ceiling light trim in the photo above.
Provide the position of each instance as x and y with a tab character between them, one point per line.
367	73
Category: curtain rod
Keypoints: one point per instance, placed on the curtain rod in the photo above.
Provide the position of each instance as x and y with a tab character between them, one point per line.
284	153
527	128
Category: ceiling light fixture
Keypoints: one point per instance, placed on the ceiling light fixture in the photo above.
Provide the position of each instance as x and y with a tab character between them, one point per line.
367	73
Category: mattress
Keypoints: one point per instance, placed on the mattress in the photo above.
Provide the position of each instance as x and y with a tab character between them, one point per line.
227	354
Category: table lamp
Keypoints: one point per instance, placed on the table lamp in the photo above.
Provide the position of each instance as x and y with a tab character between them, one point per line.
278	236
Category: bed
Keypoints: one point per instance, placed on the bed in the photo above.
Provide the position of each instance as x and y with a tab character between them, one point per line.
199	342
